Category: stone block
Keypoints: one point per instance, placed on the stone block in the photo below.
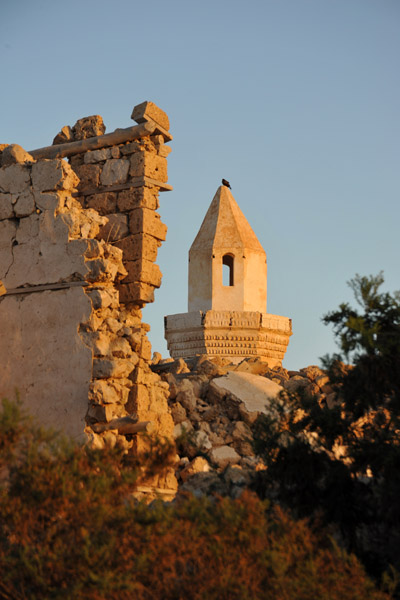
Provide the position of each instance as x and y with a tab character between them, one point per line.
48	201
14	178
88	127
135	293
115	171
15	154
103	298
64	136
25	205
139	399
49	175
105	203
143	197
144	220
198	465
135	247
148	165
117	367
254	392
148	110
224	456
101	413
144	271
8	230
131	147
164	151
6	206
178	413
104	392
89	175
97	155
145	350
115	229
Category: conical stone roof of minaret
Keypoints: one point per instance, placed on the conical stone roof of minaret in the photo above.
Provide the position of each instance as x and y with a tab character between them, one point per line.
225	226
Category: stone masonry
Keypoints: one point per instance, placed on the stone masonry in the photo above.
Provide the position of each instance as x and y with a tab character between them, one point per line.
227	316
78	245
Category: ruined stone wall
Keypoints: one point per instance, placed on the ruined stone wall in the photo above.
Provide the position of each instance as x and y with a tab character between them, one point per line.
78	244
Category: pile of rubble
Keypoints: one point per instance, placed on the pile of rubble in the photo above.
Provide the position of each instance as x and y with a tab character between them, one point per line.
214	403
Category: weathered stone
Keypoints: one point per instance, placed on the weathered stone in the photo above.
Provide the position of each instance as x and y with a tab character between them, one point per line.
178	413
88	127
203	441
136	293
253	391
235	475
64	136
144	220
15	178
25	204
137	198
6	206
89	175
108	392
197	465
241	431
103	368
8	231
103	298
97	155
114	171
296	383
186	395
156	358
49	175
143	270
115	229
148	110
105	203
182	428
15	154
148	165
49	200
223	456
137	246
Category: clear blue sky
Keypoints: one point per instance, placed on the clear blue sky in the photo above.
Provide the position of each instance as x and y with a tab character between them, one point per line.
296	102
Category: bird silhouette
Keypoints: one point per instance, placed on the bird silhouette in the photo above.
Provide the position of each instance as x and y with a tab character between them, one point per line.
225	182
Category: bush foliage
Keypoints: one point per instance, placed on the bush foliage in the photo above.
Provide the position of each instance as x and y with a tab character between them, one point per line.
340	464
69	529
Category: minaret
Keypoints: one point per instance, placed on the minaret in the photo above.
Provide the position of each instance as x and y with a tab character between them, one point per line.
227	293
226	242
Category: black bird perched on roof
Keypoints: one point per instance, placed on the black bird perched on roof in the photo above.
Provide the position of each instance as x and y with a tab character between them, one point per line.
225	182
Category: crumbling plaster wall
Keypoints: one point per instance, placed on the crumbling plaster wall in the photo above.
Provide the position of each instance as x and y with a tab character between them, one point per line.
78	244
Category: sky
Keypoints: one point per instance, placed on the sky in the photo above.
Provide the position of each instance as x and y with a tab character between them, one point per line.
295	102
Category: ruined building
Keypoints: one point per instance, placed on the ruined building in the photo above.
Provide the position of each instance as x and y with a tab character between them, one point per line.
78	245
227	311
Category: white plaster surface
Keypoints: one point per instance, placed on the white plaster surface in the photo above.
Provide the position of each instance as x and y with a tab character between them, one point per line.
43	357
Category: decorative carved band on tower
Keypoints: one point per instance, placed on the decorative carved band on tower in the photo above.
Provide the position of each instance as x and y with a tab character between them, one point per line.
227	293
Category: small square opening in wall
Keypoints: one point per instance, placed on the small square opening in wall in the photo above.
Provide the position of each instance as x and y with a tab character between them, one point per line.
227	270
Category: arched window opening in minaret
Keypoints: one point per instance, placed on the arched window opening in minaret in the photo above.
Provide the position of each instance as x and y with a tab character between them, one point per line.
227	270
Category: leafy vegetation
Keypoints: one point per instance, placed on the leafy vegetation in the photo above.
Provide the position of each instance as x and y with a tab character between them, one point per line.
69	529
340	464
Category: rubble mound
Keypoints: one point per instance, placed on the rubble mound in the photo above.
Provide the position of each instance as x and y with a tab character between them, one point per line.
213	404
